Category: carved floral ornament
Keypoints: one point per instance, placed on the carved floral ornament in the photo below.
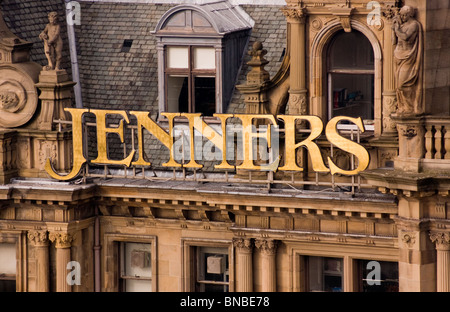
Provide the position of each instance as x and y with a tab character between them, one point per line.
294	14
61	240
267	246
442	239
244	244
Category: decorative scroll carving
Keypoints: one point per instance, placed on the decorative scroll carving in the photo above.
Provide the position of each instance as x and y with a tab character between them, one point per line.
39	238
61	240
408	58
267	246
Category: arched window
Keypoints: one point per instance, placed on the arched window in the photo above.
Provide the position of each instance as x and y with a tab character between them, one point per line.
350	70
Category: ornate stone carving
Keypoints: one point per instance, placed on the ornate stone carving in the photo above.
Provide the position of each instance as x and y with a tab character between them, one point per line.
244	244
47	150
409	132
343	12
317	24
390	12
441	239
389	107
408	58
51	36
61	240
267	246
409	239
39	238
294	14
257	75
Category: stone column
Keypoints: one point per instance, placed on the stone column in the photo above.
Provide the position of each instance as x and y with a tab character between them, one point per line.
389	94
442	241
296	18
40	241
244	264
268	248
417	263
63	242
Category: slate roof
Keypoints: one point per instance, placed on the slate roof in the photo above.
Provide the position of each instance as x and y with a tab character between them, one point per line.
113	79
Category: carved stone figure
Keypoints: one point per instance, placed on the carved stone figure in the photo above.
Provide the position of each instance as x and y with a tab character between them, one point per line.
52	42
408	56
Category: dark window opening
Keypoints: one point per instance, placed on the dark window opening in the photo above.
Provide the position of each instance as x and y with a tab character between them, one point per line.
212	269
351	77
382	276
126	46
205	95
324	274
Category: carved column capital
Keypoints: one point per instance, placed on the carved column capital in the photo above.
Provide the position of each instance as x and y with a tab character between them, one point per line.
38	238
245	245
61	240
294	14
267	246
390	11
441	239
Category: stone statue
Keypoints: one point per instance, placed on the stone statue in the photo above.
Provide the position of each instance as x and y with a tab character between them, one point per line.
408	56
52	42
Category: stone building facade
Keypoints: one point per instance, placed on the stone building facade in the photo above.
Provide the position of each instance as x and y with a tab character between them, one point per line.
197	226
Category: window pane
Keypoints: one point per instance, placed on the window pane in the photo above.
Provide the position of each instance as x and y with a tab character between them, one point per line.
135	267
137	260
177	94
8	259
212	266
324	274
379	276
205	95
204	58
353	95
177	57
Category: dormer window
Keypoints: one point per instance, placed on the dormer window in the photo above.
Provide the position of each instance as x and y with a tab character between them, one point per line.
190	76
200	52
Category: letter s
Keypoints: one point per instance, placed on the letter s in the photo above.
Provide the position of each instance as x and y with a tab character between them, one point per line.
347	146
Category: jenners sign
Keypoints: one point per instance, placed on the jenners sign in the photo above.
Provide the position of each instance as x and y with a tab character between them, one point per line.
216	136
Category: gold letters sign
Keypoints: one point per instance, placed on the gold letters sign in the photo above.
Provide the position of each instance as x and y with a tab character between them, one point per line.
217	137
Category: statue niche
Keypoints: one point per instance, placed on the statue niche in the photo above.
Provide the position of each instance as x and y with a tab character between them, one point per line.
408	57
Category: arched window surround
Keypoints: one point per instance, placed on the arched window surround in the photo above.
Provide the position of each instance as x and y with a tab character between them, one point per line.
318	68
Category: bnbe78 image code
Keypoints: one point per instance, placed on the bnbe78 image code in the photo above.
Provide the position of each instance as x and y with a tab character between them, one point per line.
246	302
